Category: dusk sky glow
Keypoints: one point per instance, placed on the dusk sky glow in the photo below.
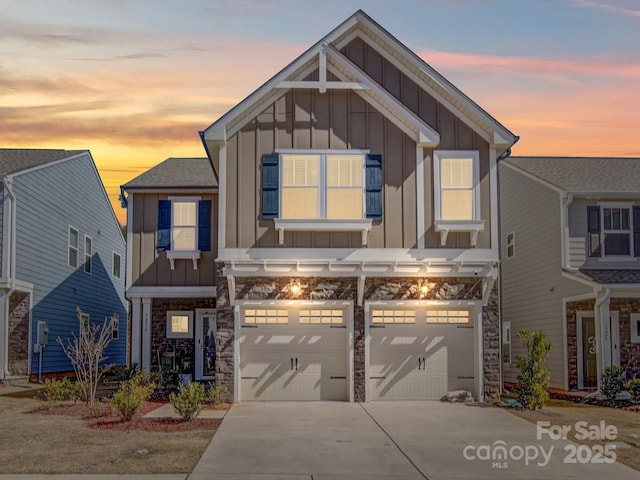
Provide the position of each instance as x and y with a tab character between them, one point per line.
135	80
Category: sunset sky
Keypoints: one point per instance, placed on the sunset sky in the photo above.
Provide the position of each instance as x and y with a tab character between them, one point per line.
135	80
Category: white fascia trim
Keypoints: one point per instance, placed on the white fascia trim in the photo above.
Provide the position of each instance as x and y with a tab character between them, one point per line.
493	195
323	225
222	196
129	257
6	284
171	292
579	278
423	134
433	83
420	195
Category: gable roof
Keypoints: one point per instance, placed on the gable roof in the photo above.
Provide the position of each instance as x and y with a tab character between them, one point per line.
361	25
613	276
195	173
13	160
584	175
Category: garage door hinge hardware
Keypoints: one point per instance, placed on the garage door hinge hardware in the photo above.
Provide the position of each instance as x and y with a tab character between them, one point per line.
338	378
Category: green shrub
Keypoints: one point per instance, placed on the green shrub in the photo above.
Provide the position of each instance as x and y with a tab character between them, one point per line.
60	391
633	386
122	373
130	396
533	379
216	394
612	382
169	381
188	401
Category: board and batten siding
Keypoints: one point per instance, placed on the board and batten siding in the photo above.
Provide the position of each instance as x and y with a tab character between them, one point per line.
151	268
579	237
454	135
48	201
532	283
307	119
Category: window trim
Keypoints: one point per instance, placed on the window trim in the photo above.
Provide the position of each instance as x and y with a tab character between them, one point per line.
510	241
634	320
322	181
506	343
88	261
182	313
84	329
473	225
113	264
115	328
76	247
174	254
616	258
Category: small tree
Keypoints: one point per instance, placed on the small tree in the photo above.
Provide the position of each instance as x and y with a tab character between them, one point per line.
86	352
533	379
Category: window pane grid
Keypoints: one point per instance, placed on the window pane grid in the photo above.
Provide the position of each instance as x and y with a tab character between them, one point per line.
323	316
447	316
266	317
393	316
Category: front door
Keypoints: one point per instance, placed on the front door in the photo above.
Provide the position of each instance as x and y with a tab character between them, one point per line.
589	363
205	344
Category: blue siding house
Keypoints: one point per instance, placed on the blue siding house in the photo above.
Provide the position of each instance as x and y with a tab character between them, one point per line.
62	248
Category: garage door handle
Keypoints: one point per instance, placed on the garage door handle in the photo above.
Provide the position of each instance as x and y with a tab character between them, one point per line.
338	378
338	326
377	378
249	326
466	378
291	363
296	364
377	326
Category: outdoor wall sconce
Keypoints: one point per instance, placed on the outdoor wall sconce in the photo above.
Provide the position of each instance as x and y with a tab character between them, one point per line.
424	287
295	288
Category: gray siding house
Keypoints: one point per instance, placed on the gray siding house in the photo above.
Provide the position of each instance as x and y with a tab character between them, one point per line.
358	246
62	248
571	264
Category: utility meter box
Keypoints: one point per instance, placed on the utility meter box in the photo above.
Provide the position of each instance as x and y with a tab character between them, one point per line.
43	334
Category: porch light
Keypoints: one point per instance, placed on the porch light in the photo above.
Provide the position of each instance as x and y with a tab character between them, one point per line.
424	287
295	288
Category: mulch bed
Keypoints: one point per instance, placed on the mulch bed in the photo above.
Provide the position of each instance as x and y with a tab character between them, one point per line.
103	418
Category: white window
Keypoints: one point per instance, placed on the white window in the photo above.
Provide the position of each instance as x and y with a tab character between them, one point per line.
616	231
325	186
179	324
321	316
393	316
635	328
511	244
73	241
88	253
266	316
115	266
184	227
84	323
457	195
506	342
115	328
447	316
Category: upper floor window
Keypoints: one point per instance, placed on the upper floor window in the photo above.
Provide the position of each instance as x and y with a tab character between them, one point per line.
115	266
72	250
184	224
614	230
322	186
511	244
88	253
457	192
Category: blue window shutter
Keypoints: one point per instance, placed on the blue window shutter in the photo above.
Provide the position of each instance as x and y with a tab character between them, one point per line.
270	185
204	225
164	225
373	186
636	231
593	227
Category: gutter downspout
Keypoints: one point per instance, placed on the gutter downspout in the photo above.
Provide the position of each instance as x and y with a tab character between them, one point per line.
7	182
603	296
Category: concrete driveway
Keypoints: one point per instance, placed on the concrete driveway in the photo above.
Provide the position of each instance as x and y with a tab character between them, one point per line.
385	440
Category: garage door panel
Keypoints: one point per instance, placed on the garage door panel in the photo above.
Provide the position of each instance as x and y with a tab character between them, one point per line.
419	361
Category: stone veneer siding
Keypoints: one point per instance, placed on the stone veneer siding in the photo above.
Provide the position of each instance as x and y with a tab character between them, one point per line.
345	288
19	333
572	338
159	340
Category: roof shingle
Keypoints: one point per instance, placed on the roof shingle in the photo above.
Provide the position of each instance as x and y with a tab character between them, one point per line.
610	276
177	173
13	160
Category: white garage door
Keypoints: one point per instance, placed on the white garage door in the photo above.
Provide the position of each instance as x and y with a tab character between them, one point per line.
293	355
419	355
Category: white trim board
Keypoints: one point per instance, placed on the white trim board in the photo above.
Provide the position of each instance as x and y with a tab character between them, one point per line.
171	292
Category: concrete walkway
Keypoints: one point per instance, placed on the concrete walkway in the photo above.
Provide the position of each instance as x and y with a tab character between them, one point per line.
384	440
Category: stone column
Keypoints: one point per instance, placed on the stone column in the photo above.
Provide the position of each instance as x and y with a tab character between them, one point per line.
225	335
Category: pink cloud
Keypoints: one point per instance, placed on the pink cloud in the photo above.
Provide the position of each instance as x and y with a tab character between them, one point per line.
607	7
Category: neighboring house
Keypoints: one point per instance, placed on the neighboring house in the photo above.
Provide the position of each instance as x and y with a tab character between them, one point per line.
171	247
62	248
571	264
357	232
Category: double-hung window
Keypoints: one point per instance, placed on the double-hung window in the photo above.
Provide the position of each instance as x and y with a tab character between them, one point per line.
322	186
72	250
614	230
457	192
184	228
331	191
88	253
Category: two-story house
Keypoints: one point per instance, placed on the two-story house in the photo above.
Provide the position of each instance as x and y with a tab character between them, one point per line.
570	263
62	248
171	247
357	230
